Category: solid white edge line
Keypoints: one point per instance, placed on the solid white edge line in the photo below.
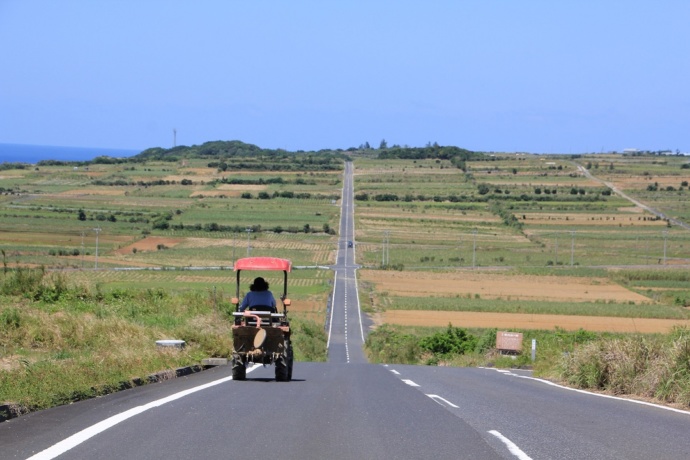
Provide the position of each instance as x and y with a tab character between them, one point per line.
601	395
330	322
514	449
87	433
359	309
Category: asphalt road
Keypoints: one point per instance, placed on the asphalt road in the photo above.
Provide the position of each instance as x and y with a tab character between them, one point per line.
348	409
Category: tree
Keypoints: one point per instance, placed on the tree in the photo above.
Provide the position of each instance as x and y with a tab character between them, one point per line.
383	145
82	215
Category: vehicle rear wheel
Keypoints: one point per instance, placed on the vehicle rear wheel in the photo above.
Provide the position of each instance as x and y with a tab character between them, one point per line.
239	372
284	363
289	360
281	369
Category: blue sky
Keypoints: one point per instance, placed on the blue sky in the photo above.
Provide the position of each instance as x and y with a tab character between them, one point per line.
535	76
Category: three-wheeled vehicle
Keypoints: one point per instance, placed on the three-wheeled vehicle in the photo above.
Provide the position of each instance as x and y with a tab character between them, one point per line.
259	334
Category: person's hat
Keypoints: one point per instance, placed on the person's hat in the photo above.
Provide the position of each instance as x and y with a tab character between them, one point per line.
259	284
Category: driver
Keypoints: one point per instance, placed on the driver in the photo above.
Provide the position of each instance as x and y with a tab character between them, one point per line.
259	296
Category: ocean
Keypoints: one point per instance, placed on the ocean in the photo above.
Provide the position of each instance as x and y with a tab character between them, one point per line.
22	153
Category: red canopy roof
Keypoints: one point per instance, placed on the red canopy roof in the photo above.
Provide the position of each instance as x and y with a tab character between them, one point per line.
263	263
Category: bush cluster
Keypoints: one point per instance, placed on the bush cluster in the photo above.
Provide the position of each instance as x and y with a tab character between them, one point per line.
655	367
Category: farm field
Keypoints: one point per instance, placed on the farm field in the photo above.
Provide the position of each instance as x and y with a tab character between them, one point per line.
516	234
145	225
165	214
522	321
424	221
659	182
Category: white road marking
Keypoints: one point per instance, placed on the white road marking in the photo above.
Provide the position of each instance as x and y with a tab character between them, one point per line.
437	398
410	383
347	342
601	395
87	433
330	325
395	372
514	449
359	307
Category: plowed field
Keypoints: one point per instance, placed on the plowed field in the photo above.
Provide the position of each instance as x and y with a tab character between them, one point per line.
499	286
516	287
525	321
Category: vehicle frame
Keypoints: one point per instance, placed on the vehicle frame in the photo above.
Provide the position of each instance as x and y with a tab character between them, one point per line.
259	335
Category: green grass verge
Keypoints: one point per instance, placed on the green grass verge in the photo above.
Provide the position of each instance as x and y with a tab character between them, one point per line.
62	342
639	365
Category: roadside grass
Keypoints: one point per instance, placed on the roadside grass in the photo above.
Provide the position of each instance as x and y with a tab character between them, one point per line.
650	366
401	344
63	342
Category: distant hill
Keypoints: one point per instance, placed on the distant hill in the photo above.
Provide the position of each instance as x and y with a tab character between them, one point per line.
221	150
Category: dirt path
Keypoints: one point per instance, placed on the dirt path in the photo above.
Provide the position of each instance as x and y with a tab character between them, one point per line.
528	321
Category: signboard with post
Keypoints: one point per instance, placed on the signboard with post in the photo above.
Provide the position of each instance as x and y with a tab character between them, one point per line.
509	343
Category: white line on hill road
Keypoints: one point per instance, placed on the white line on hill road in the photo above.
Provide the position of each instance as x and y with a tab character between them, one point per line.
515	450
330	322
599	395
437	398
410	383
88	433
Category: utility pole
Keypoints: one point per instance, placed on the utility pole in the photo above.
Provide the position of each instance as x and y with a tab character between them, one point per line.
249	231
388	248
174	137
82	249
556	249
385	259
97	230
234	238
665	236
474	248
572	248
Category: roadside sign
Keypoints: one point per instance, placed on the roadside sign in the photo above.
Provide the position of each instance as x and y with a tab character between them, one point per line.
509	341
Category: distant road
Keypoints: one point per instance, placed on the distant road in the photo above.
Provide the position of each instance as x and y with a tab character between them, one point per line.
637	203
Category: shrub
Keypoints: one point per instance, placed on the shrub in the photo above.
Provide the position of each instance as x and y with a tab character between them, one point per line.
388	345
487	341
453	341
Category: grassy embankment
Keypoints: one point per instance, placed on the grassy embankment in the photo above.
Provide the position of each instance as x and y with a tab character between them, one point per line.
63	342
